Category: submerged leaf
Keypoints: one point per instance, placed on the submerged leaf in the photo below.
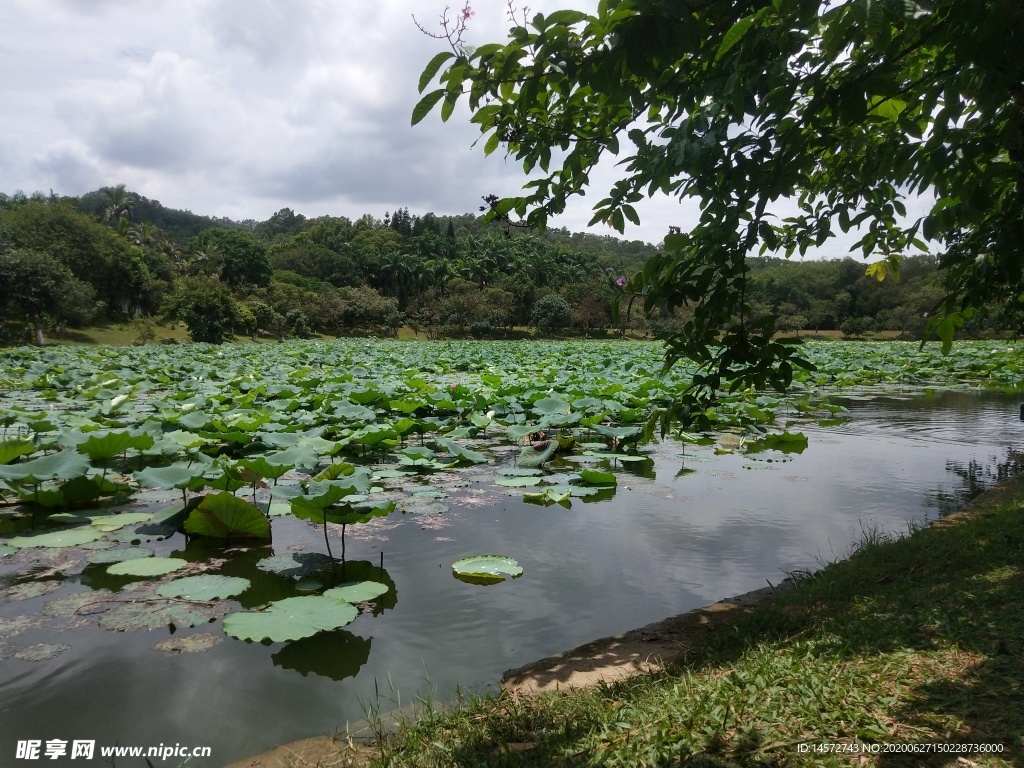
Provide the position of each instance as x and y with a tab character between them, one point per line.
197	643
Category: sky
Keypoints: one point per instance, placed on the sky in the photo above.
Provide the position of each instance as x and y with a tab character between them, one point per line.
239	108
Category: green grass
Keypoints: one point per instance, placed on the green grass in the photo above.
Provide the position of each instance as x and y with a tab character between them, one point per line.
915	640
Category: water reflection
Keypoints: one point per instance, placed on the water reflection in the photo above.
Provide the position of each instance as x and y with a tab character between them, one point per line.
337	655
976	477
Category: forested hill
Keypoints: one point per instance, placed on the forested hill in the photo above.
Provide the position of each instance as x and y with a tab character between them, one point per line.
114	254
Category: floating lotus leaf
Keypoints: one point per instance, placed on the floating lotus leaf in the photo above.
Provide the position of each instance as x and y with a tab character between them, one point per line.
206	586
357	592
116	522
30	589
68	537
135	616
63	465
80	603
295	564
147	566
549	496
486	568
517	482
42	651
197	643
549	406
291	619
308	585
225	516
109	556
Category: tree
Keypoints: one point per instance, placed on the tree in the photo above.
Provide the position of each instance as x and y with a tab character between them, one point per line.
788	120
551	313
206	307
38	288
243	258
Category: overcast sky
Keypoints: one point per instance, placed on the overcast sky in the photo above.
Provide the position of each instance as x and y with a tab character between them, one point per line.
239	108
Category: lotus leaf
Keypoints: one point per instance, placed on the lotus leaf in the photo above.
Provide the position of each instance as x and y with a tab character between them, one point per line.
42	651
12	449
206	586
357	592
135	616
107	445
62	538
6	550
336	471
291	619
123	554
147	566
594	477
63	465
175	476
549	496
488	568
517	482
116	522
460	453
224	516
550	406
296	564
197	643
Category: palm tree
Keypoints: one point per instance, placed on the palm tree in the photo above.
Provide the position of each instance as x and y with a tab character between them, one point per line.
120	203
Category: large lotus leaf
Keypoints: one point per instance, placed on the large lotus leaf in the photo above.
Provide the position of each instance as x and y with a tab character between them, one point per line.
373	436
622	434
63	538
147	566
225	516
536	455
175	476
195	420
295	564
549	496
357	592
291	619
116	522
12	449
355	413
206	586
63	465
460	453
489	568
120	555
106	445
296	456
550	406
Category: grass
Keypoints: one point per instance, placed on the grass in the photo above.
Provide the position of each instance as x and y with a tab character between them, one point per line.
916	640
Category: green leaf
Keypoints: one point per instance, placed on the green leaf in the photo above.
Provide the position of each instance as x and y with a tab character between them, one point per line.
12	449
734	35
291	619
147	566
594	477
107	445
206	586
175	476
63	465
357	592
224	516
63	538
424	105
486	568
431	69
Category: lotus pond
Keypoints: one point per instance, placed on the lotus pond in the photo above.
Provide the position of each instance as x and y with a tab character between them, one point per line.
239	546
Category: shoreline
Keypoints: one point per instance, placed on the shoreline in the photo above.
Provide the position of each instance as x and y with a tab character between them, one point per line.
608	659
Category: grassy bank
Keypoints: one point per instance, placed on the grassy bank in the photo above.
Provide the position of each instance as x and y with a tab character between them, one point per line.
912	641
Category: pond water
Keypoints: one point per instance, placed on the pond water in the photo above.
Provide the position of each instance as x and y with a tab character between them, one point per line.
684	529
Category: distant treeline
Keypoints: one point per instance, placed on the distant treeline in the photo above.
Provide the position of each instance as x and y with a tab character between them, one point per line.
115	255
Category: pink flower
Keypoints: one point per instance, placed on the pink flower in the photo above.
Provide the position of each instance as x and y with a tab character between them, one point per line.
467	13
